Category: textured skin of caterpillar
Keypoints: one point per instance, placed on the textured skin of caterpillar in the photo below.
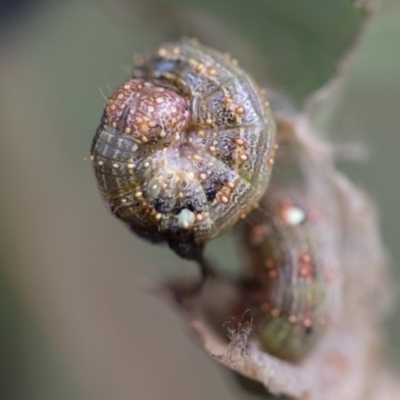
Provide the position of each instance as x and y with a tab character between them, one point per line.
185	148
293	297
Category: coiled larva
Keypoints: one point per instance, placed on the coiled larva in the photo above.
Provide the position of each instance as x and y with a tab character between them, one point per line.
185	147
293	296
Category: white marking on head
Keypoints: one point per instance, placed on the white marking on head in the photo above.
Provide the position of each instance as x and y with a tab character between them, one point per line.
186	218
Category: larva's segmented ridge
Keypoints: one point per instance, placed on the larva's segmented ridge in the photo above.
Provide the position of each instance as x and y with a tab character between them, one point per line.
183	148
293	296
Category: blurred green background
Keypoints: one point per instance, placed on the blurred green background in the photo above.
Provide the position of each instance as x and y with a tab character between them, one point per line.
78	318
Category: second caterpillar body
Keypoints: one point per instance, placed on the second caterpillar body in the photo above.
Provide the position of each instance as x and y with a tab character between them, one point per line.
294	293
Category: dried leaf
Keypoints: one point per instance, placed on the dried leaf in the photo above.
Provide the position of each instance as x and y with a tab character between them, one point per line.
347	364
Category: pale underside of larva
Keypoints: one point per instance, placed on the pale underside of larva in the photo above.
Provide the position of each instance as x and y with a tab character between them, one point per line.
185	148
294	295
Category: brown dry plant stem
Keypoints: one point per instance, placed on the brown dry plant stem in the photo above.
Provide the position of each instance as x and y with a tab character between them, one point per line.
347	364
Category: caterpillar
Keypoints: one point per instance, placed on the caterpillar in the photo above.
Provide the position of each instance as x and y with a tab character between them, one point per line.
292	297
185	147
